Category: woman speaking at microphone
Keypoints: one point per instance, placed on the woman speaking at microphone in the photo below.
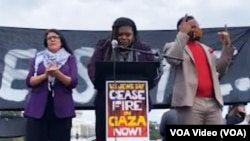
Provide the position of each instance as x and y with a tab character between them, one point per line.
124	34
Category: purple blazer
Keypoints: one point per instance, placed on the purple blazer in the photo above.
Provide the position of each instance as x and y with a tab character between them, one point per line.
99	54
63	101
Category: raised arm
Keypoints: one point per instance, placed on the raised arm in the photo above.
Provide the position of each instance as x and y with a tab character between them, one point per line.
176	48
227	52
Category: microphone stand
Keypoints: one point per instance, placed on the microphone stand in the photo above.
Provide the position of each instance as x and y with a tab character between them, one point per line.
150	53
157	54
115	56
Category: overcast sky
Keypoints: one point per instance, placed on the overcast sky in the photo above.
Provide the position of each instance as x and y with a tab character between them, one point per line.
100	14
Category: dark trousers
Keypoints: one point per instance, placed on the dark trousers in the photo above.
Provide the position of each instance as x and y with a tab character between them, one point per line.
48	128
100	123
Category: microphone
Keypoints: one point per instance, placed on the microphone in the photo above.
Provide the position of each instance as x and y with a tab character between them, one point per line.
114	43
174	58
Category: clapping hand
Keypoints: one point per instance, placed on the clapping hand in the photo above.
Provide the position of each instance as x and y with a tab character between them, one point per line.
52	69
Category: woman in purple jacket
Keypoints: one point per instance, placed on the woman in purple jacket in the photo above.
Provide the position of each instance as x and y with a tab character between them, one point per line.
51	78
124	34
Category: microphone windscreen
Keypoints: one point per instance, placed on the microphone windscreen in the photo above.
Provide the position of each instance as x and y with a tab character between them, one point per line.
114	43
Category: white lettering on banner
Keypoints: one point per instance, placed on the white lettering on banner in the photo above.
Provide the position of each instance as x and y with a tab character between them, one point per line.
10	73
120	97
89	92
127	94
127	131
127	105
242	84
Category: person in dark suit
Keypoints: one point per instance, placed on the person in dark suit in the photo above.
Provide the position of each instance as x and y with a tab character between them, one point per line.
52	76
124	31
237	115
168	118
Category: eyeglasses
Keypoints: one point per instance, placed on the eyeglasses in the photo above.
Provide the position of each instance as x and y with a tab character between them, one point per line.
52	37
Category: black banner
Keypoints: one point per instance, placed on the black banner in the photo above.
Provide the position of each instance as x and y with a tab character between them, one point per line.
18	45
